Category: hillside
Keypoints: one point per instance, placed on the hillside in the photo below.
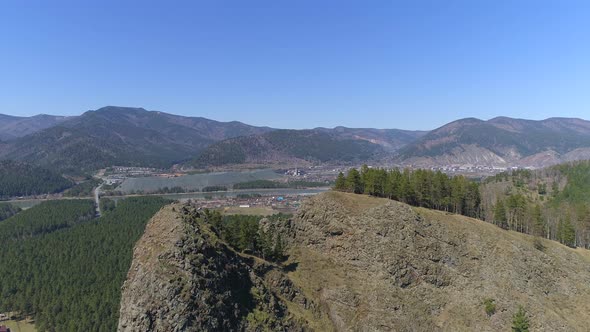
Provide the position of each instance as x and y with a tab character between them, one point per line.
390	139
354	263
12	127
553	202
122	136
282	147
502	141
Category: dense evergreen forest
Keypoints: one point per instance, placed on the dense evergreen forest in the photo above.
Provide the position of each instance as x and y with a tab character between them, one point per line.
20	179
553	203
45	218
8	210
433	190
65	270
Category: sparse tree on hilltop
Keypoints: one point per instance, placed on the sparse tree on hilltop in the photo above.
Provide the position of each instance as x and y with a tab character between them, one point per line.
353	182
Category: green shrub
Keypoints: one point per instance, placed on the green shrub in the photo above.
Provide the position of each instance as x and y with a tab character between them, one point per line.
490	307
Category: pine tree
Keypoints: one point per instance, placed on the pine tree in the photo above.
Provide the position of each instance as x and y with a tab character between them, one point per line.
366	182
500	214
520	321
340	184
539	220
567	233
265	244
279	249
353	182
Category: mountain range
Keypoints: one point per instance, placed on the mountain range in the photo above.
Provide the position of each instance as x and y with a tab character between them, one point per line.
502	141
136	137
121	136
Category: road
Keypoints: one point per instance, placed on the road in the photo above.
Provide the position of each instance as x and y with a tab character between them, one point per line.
97	200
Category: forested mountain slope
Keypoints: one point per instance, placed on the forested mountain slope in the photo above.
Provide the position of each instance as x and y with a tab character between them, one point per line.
502	141
353	262
23	179
122	136
282	147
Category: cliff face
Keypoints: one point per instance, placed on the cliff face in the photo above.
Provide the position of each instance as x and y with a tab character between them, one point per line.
183	278
355	263
381	265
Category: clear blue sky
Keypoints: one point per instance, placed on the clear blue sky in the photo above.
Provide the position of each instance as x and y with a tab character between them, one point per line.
299	64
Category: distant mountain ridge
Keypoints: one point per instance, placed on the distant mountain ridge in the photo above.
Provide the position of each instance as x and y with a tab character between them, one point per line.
122	135
502	141
137	137
12	127
390	139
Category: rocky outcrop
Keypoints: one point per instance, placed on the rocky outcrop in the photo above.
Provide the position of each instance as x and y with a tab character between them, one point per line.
380	265
356	263
183	278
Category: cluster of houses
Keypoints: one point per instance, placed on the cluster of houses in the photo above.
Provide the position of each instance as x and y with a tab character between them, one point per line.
295	172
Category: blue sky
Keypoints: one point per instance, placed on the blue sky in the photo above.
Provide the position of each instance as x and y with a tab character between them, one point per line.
299	64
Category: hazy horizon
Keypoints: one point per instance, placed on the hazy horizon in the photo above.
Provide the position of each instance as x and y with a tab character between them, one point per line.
299	128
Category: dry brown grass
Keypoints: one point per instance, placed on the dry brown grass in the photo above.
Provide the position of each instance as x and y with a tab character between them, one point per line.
356	204
25	325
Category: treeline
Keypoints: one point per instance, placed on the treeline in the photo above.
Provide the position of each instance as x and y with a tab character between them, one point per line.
259	184
244	234
70	278
553	203
209	189
8	210
20	179
424	188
